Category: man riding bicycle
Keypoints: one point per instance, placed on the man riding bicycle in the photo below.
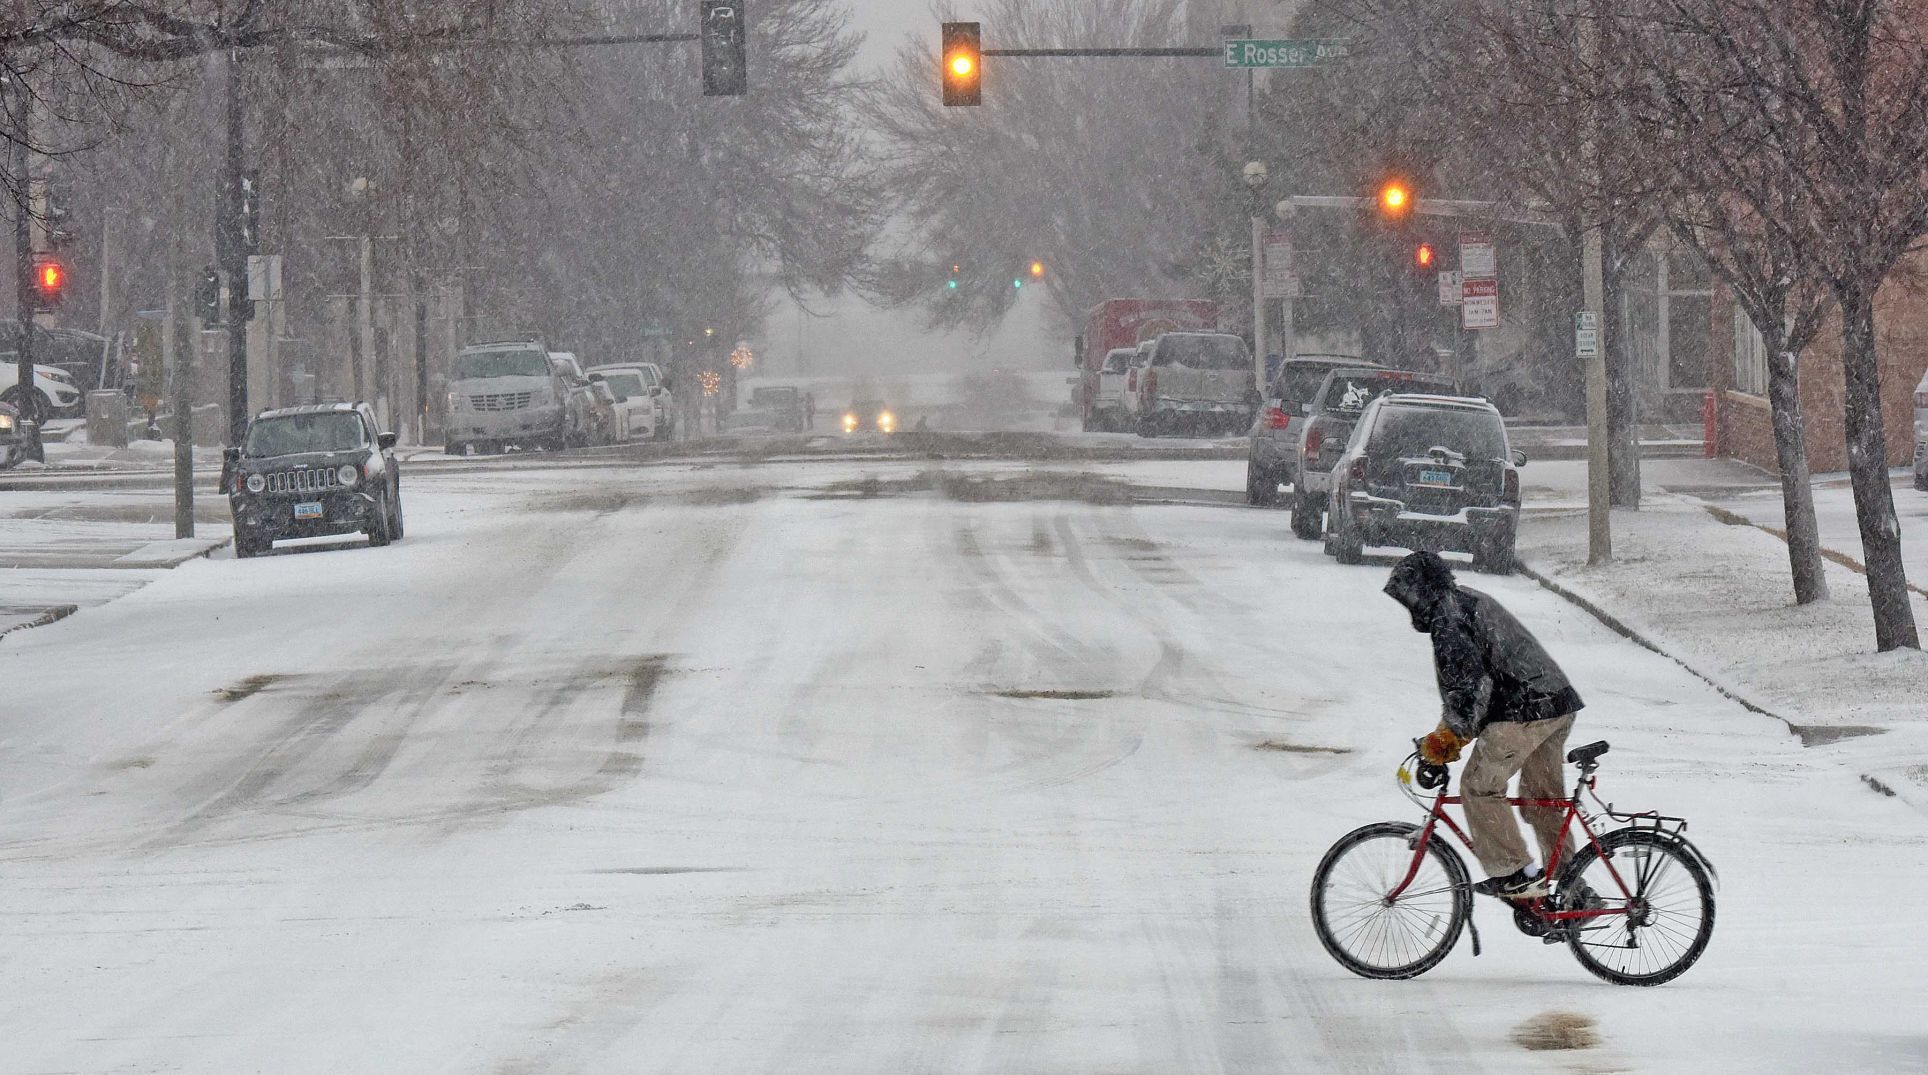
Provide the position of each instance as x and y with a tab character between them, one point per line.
1499	687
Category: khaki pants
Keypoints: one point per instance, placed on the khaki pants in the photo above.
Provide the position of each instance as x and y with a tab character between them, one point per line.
1534	751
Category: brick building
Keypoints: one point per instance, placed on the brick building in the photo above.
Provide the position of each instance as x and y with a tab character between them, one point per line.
1745	427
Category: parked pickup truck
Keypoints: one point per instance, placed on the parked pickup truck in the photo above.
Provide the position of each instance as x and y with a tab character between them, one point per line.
1330	414
1197	382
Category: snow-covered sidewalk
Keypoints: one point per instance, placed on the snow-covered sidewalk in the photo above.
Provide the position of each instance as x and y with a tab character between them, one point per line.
1715	596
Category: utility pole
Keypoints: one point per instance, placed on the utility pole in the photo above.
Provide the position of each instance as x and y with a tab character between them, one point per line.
1593	287
231	252
180	371
1256	178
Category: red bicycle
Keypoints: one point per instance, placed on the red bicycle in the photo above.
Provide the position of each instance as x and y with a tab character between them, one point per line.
1634	903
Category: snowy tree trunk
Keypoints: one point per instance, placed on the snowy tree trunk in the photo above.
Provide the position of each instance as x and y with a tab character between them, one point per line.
1790	451
1874	505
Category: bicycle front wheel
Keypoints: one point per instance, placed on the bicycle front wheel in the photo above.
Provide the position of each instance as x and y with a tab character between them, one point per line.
1368	931
1662	905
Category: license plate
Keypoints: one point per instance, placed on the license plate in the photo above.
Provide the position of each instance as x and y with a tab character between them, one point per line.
308	511
1436	477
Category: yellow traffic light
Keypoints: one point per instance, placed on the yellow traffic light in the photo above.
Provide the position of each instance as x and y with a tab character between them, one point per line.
1037	269
963	64
1396	199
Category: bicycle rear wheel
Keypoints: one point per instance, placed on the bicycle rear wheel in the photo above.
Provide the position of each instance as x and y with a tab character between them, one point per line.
1662	930
1374	938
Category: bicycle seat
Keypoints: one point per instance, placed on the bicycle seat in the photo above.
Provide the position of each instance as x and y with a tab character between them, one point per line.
1588	754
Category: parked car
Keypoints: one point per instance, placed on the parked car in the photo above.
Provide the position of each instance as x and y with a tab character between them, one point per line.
1107	410
1427	472
1123	324
1272	460
582	399
641	393
1339	401
869	415
311	472
1196	382
55	395
503	394
1132	401
1921	434
608	422
15	440
85	357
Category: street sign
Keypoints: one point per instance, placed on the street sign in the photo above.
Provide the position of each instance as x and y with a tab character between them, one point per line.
1281	274
1479	303
1477	258
1449	288
1586	335
1251	54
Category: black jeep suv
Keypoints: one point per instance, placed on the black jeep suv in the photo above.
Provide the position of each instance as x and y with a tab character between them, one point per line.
312	472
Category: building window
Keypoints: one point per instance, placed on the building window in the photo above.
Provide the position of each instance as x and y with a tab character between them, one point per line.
1750	356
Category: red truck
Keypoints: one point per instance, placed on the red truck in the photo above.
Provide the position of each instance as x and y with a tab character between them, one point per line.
1122	323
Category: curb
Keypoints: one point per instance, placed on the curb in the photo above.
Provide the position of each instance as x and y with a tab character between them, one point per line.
1620	628
51	615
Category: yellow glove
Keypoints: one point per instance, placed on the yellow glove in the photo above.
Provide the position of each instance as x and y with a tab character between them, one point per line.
1442	747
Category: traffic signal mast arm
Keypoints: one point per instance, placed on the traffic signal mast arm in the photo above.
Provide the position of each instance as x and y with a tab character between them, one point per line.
1424	206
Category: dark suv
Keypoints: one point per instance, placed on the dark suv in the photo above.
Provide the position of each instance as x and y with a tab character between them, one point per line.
1427	472
313	472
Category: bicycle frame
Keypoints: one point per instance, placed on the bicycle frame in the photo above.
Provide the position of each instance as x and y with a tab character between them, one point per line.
1571	811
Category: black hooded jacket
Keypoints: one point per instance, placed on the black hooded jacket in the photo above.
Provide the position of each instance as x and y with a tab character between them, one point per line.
1489	666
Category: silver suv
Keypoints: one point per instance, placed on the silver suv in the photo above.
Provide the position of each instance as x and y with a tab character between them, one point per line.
1272	459
503	394
1337	403
1427	472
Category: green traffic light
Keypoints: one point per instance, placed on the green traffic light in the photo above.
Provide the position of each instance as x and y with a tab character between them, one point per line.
952	285
1019	284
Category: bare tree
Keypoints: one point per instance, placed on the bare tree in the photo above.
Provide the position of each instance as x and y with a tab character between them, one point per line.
1737	205
1839	89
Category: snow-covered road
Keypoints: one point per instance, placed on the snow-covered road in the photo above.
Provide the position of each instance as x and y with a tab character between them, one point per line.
738	769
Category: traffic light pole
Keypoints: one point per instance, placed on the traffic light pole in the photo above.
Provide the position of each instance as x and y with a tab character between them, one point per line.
24	261
231	251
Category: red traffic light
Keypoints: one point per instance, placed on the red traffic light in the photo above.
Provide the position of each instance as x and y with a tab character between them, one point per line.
1423	257
49	282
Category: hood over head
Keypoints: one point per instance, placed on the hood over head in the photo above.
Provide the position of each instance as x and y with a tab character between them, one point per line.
1422	583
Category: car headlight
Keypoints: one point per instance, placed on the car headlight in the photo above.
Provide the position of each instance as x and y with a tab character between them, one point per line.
257	483
850	423
886	421
350	475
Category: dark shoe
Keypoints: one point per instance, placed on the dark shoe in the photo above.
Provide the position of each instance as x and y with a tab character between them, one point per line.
1517	885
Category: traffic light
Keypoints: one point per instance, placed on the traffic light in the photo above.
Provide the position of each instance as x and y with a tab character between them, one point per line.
1395	200
49	282
963	64
1037	270
726	64
207	298
1423	256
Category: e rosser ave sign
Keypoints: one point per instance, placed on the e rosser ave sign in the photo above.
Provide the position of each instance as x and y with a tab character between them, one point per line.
1246	54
